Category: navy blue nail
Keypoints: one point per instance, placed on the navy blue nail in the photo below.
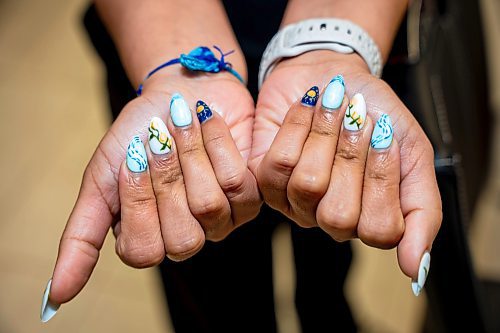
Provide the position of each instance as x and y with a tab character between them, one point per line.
203	112
311	97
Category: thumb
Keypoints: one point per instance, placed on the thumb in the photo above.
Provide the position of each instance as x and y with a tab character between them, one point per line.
85	232
422	211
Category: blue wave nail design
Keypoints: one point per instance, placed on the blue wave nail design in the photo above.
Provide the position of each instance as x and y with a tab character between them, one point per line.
137	160
311	97
334	93
203	112
382	133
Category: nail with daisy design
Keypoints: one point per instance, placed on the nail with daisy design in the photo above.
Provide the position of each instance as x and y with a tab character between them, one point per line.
203	112
355	114
160	140
311	97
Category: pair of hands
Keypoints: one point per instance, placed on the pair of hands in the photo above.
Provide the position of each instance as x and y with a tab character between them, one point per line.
305	166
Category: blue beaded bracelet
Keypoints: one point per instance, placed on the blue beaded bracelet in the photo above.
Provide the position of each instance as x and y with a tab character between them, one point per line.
200	59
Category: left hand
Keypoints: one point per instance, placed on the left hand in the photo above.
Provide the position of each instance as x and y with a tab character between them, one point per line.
318	175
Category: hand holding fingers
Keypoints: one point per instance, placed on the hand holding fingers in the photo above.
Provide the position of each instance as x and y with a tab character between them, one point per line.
98	204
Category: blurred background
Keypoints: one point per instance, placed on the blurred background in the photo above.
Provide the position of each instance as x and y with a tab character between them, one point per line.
53	114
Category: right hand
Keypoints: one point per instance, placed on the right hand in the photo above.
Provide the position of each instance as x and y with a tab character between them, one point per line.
201	190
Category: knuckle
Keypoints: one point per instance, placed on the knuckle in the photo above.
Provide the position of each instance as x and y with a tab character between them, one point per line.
305	223
182	250
138	255
349	153
209	206
383	236
283	161
216	139
378	173
233	184
341	224
306	185
142	202
190	151
166	164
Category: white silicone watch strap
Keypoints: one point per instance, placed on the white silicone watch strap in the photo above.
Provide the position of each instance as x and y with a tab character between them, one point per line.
337	35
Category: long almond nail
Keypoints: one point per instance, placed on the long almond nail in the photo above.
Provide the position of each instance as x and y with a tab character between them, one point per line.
160	140
382	133
49	309
179	111
203	112
334	93
311	97
137	160
355	114
423	272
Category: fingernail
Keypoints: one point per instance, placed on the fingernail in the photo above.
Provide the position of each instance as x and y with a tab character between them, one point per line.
334	93
423	272
382	133
355	114
49	309
160	140
311	97
137	160
179	111
203	112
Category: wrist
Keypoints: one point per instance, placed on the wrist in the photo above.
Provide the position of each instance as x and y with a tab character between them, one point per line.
379	18
343	63
197	64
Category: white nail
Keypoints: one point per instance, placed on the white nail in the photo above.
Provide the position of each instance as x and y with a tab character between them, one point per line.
355	115
160	140
423	272
49	309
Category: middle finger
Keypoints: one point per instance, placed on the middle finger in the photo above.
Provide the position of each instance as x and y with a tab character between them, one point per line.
310	178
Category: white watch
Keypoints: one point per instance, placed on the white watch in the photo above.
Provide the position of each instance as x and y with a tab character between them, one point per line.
337	35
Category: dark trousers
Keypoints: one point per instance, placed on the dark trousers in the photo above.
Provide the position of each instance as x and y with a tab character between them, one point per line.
228	285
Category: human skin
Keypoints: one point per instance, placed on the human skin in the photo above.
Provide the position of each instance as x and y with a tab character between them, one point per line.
110	196
318	183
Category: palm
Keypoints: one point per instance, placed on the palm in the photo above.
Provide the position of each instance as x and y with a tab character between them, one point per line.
228	97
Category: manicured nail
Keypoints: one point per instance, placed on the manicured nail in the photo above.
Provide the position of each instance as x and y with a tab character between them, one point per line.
137	160
334	93
311	97
49	309
203	112
382	133
160	140
423	272
355	114
179	111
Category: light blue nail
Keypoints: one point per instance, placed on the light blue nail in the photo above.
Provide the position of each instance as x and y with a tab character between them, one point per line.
179	111
137	160
334	93
382	133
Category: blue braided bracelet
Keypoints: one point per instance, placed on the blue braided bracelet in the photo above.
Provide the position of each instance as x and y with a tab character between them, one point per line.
200	59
